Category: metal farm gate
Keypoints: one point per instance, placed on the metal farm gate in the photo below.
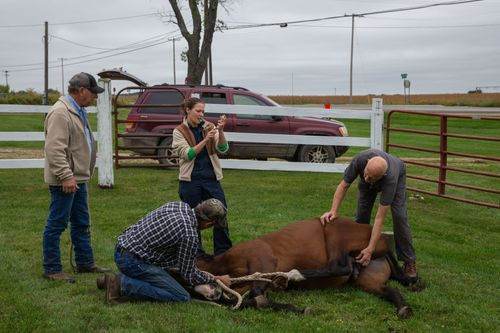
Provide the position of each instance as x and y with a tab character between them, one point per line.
121	149
446	154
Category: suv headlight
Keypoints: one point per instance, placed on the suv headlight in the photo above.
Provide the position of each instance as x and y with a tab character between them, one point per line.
343	131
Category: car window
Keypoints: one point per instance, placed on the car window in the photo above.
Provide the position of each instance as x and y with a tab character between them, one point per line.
249	100
163	97
211	98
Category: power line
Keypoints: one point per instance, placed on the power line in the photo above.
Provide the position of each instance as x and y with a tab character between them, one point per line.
79	22
94	59
402	27
284	24
127	46
151	41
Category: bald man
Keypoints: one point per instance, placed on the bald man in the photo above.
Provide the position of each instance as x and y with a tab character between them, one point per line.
384	173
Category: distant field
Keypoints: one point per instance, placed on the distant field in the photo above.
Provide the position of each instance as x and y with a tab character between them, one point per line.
482	100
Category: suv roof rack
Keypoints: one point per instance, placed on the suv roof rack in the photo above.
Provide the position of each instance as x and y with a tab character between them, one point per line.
218	85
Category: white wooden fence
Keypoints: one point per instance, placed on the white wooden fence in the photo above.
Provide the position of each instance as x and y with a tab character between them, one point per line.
105	141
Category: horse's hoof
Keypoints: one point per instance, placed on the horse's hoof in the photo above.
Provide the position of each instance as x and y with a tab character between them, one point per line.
308	311
261	301
405	312
419	285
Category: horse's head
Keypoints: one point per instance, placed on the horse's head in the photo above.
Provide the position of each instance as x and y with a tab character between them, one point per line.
210	291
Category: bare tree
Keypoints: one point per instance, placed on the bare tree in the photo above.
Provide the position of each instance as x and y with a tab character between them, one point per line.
198	47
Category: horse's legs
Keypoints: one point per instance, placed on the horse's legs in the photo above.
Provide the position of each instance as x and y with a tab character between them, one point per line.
258	298
373	279
397	273
394	296
262	302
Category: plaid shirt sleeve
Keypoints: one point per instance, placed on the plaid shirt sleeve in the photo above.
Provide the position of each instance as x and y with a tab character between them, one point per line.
186	256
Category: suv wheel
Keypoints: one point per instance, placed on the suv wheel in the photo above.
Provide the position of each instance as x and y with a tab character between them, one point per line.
316	154
167	155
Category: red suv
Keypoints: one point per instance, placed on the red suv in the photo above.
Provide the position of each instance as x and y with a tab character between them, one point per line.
166	118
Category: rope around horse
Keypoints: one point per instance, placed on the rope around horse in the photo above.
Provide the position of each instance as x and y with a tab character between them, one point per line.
264	277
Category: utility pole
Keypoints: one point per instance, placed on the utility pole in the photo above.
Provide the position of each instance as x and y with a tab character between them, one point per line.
6	78
210	67
352	48
46	74
173	42
62	76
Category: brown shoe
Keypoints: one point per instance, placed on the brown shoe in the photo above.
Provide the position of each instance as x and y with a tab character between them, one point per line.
101	282
92	269
60	277
410	271
113	288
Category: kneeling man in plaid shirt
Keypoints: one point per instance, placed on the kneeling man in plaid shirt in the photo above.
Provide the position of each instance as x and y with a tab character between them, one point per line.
165	239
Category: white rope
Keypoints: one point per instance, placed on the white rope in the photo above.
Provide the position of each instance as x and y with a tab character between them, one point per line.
270	278
232	292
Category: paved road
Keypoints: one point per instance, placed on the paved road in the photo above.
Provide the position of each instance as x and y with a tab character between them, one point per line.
445	109
424	108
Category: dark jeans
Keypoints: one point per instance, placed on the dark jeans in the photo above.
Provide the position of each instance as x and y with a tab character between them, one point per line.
198	190
400	225
64	208
140	280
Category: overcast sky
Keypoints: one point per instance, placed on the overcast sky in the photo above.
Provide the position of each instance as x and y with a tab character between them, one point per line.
443	49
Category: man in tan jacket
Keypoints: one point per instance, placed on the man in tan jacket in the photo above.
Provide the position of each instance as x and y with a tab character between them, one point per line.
70	154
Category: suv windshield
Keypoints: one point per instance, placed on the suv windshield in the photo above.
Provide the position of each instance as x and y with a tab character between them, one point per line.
163	97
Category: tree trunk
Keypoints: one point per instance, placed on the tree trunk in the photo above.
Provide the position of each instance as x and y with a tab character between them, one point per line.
197	55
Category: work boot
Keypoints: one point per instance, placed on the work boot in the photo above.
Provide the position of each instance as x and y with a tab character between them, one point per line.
410	271
113	288
101	282
60	277
92	269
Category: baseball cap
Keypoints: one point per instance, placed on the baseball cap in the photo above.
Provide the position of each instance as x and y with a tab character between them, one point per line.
212	210
85	80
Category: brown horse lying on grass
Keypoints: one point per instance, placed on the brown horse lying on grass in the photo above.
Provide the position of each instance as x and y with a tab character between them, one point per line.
323	255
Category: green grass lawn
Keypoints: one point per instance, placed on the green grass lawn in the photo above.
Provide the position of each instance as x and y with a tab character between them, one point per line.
457	246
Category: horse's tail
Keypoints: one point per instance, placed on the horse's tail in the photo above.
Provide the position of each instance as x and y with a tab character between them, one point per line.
397	273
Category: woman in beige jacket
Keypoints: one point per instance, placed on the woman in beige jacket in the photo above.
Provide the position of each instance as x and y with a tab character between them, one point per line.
197	143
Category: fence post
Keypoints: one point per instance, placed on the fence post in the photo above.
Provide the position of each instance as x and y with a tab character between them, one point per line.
105	137
376	124
443	155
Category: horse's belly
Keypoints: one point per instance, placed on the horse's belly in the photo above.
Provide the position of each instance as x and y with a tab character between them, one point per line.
321	283
301	260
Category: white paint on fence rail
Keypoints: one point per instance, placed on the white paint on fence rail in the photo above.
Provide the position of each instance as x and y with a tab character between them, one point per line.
289	111
26	136
21	108
22	136
21	164
298	139
282	166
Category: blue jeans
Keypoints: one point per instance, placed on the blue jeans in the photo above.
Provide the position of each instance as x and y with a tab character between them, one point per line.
64	208
198	190
140	280
401	227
